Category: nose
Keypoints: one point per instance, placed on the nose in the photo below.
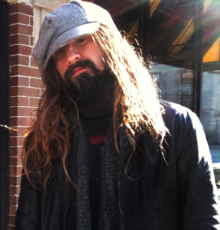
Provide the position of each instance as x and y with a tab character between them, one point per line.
72	56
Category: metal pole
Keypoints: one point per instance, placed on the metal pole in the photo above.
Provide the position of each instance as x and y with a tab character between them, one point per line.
198	57
144	28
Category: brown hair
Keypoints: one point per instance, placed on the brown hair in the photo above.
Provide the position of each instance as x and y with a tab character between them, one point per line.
135	94
48	136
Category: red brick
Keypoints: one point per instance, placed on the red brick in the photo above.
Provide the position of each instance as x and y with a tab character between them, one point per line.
20	49
31	41
14	199
15	171
18	59
13	142
33	62
25	71
12	209
19	18
19	121
16	141
21	29
18	132
31	21
19	101
15	151
15	161
19	81
34	102
21	111
15	180
25	91
19	39
21	8
11	219
36	83
11	227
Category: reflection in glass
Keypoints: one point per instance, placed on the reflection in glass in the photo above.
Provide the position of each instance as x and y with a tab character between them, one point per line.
210	95
175	83
210	111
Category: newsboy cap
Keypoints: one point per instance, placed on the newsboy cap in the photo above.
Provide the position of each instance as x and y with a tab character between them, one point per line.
71	20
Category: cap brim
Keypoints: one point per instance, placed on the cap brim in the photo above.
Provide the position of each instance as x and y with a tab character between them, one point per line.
69	35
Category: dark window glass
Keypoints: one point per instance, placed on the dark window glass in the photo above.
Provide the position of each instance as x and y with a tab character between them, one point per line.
210	97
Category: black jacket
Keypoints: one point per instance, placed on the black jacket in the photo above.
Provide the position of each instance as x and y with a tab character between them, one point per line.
152	196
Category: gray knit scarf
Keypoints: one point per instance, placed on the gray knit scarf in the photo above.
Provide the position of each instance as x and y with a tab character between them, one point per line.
109	214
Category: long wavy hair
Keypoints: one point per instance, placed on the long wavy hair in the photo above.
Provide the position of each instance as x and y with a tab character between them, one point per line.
135	94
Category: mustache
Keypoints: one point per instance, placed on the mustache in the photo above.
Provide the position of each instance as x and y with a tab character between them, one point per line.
81	63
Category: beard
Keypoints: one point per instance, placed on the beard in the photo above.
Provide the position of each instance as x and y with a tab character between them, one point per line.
93	91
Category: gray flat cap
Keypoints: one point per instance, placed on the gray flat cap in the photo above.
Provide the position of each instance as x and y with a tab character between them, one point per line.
70	21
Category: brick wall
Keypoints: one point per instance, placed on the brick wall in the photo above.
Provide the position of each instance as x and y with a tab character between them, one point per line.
26	88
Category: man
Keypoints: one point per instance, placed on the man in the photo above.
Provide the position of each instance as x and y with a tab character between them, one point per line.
104	152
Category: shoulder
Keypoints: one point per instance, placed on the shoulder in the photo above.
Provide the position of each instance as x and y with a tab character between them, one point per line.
178	117
186	132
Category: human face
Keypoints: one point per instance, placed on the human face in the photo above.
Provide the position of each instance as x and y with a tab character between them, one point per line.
78	49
